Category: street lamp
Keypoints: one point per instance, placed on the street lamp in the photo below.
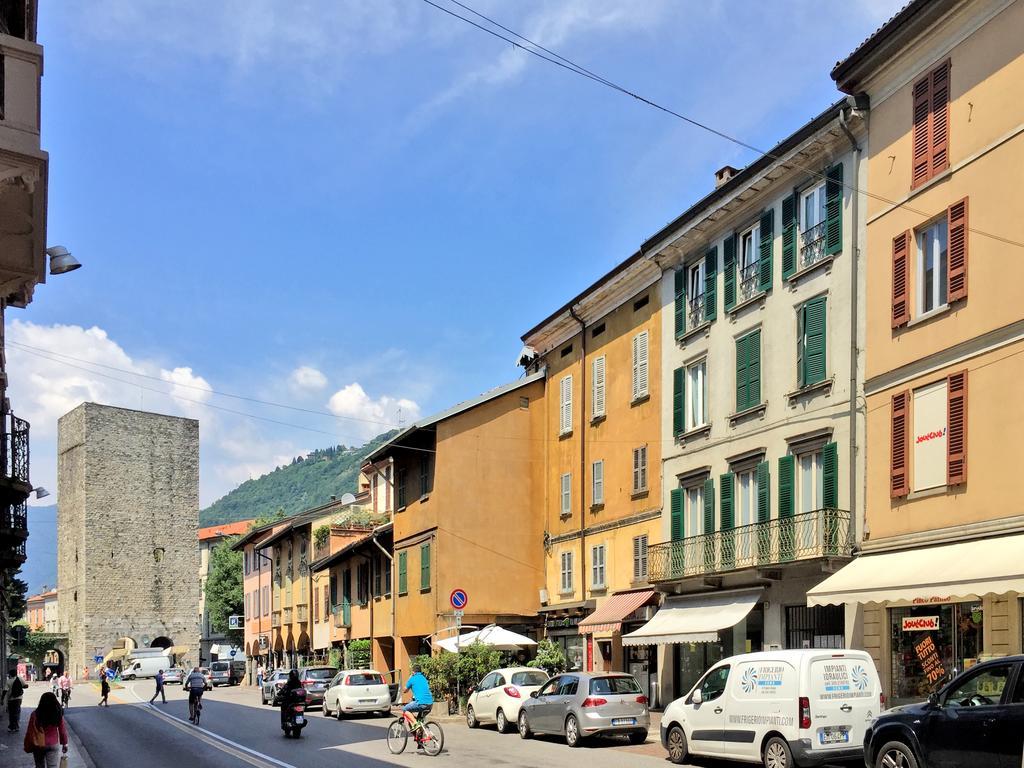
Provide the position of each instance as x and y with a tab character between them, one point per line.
61	260
40	492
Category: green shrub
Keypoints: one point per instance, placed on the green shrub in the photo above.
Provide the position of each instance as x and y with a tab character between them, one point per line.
550	657
359	654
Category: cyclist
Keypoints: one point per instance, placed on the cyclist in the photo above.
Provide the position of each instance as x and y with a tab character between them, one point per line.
195	684
422	699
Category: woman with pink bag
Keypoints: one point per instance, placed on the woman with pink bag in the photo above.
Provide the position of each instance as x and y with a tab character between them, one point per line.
46	738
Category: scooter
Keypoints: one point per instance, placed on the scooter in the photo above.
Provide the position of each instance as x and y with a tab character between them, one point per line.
293	711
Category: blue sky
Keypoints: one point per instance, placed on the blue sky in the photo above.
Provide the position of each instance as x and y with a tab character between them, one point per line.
358	206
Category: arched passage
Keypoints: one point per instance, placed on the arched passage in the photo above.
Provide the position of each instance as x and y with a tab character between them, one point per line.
162	642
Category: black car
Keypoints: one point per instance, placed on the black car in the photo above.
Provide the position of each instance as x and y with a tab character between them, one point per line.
976	720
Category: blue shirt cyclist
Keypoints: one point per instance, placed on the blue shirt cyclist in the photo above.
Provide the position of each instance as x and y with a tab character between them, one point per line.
422	698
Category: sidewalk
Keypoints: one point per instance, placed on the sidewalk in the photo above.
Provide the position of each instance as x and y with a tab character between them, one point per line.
12	745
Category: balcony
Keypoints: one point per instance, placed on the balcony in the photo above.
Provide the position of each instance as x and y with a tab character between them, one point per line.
342	614
287	615
14	455
749	279
275	619
812	245
695	311
813	535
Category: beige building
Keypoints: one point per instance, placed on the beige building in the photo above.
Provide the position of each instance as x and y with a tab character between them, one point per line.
944	529
41	612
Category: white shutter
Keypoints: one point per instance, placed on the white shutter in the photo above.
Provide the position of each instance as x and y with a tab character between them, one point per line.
565	412
640	365
566	495
597	492
597	394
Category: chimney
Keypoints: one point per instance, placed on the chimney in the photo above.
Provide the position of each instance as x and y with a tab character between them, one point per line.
723	174
333	497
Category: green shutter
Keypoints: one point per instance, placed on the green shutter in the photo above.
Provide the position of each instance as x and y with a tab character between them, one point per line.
711	283
812	343
679	401
728	481
789	228
787	467
676	532
834	209
763	492
741	374
754	368
709	505
729	267
764	276
680	303
830	476
425	566
403	580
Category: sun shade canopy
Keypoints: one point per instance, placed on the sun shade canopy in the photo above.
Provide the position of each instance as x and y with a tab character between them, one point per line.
694	619
608	618
496	637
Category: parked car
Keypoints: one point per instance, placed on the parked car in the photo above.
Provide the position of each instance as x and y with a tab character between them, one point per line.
357	690
782	708
271	684
173	675
499	696
976	719
227	672
315	680
205	672
582	704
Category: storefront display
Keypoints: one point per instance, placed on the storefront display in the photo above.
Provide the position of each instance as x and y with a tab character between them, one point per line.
931	642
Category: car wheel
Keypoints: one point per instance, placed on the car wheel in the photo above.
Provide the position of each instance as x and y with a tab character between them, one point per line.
777	754
895	754
501	721
572	731
524	726
471	720
326	711
678	750
339	714
638	738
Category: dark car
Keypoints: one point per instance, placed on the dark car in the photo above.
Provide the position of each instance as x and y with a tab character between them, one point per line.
316	680
975	720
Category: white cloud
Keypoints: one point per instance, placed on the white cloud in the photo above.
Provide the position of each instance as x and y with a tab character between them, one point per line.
308	378
373	416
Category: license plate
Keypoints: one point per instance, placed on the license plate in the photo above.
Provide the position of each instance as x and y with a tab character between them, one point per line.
299	719
367	701
834	735
624	721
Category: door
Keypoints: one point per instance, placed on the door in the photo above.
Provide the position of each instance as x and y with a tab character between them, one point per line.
1008	733
485	697
560	704
707	719
541	713
961	728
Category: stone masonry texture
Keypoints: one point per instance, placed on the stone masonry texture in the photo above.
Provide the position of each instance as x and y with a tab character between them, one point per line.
127	516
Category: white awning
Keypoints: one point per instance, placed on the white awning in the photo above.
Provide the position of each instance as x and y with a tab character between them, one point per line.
496	637
694	619
968	569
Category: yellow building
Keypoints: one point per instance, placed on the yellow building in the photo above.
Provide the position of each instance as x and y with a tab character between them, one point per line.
466	491
945	332
600	447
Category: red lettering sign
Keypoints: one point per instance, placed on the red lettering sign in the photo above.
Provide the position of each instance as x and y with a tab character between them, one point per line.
931	435
920	623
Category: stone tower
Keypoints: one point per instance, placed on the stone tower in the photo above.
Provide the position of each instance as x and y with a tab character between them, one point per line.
127	516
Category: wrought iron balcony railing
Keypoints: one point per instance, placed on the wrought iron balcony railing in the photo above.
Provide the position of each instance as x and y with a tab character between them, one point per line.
342	613
695	311
807	536
812	245
14	521
14	449
749	279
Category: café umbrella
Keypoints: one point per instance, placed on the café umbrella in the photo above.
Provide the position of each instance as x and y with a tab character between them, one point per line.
497	637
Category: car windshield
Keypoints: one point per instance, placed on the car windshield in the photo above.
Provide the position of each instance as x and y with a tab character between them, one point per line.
529	678
324	673
219	666
360	678
614	685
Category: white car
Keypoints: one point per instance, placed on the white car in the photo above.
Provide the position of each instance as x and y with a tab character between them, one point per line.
357	690
500	694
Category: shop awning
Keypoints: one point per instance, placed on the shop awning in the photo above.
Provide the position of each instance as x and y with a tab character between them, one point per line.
608	618
967	569
695	618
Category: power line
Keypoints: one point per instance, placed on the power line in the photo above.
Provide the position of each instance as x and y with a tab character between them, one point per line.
571	66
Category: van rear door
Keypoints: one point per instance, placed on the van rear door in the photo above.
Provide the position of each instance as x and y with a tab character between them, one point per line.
843	690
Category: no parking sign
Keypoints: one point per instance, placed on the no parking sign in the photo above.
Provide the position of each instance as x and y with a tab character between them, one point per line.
458	599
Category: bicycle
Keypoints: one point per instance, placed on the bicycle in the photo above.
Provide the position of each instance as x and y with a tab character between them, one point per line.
194	709
426	733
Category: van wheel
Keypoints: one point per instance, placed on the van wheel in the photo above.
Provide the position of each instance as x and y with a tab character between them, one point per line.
777	754
895	754
678	750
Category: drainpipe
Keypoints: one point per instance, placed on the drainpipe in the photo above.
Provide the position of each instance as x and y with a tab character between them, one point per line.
854	293
583	457
394	601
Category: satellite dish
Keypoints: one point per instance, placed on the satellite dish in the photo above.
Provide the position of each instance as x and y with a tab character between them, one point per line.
347	498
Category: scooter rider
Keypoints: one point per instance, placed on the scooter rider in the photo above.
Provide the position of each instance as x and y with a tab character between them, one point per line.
287	696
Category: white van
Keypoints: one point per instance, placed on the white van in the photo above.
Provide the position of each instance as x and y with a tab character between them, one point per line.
781	708
145	666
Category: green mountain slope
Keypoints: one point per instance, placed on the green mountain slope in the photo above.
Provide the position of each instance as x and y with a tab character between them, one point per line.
306	482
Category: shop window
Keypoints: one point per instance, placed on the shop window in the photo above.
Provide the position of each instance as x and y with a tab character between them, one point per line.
931	643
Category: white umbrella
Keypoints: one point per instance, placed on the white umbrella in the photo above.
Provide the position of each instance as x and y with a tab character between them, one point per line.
496	637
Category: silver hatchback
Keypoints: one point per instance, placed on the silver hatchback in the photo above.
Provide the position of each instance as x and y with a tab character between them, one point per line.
582	704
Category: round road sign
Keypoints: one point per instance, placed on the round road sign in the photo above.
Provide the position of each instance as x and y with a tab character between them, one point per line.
458	599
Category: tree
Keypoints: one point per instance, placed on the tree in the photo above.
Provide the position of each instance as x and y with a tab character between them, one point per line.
358	654
37	644
15	591
224	596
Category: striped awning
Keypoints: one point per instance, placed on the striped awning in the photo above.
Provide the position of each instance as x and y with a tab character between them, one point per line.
608	617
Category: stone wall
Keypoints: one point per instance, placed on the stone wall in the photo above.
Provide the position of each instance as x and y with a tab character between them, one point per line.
128	512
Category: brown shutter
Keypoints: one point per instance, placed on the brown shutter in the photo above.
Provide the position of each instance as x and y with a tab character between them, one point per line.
956	262
899	474
939	153
956	439
922	108
900	268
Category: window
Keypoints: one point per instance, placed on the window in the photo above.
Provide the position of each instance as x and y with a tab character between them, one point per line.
640	365
746	497
694	512
424	475
424	567
403	575
375	567
597	483
813	223
932	266
640	469
809	482
748	371
822	626
566	585
697	388
363	583
640	558
931	125
568	686
565	412
316	605
247	560
713	684
750	250
695	292
640	303
811	342
597	575
266	601
984	689
566	495
387	577
597	387
327	602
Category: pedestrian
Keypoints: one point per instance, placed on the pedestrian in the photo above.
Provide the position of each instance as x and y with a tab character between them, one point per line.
104	690
159	687
46	735
259	676
65	688
15	689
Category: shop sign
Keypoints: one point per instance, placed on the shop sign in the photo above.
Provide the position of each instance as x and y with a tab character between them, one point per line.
929	600
920	623
931	663
563	623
